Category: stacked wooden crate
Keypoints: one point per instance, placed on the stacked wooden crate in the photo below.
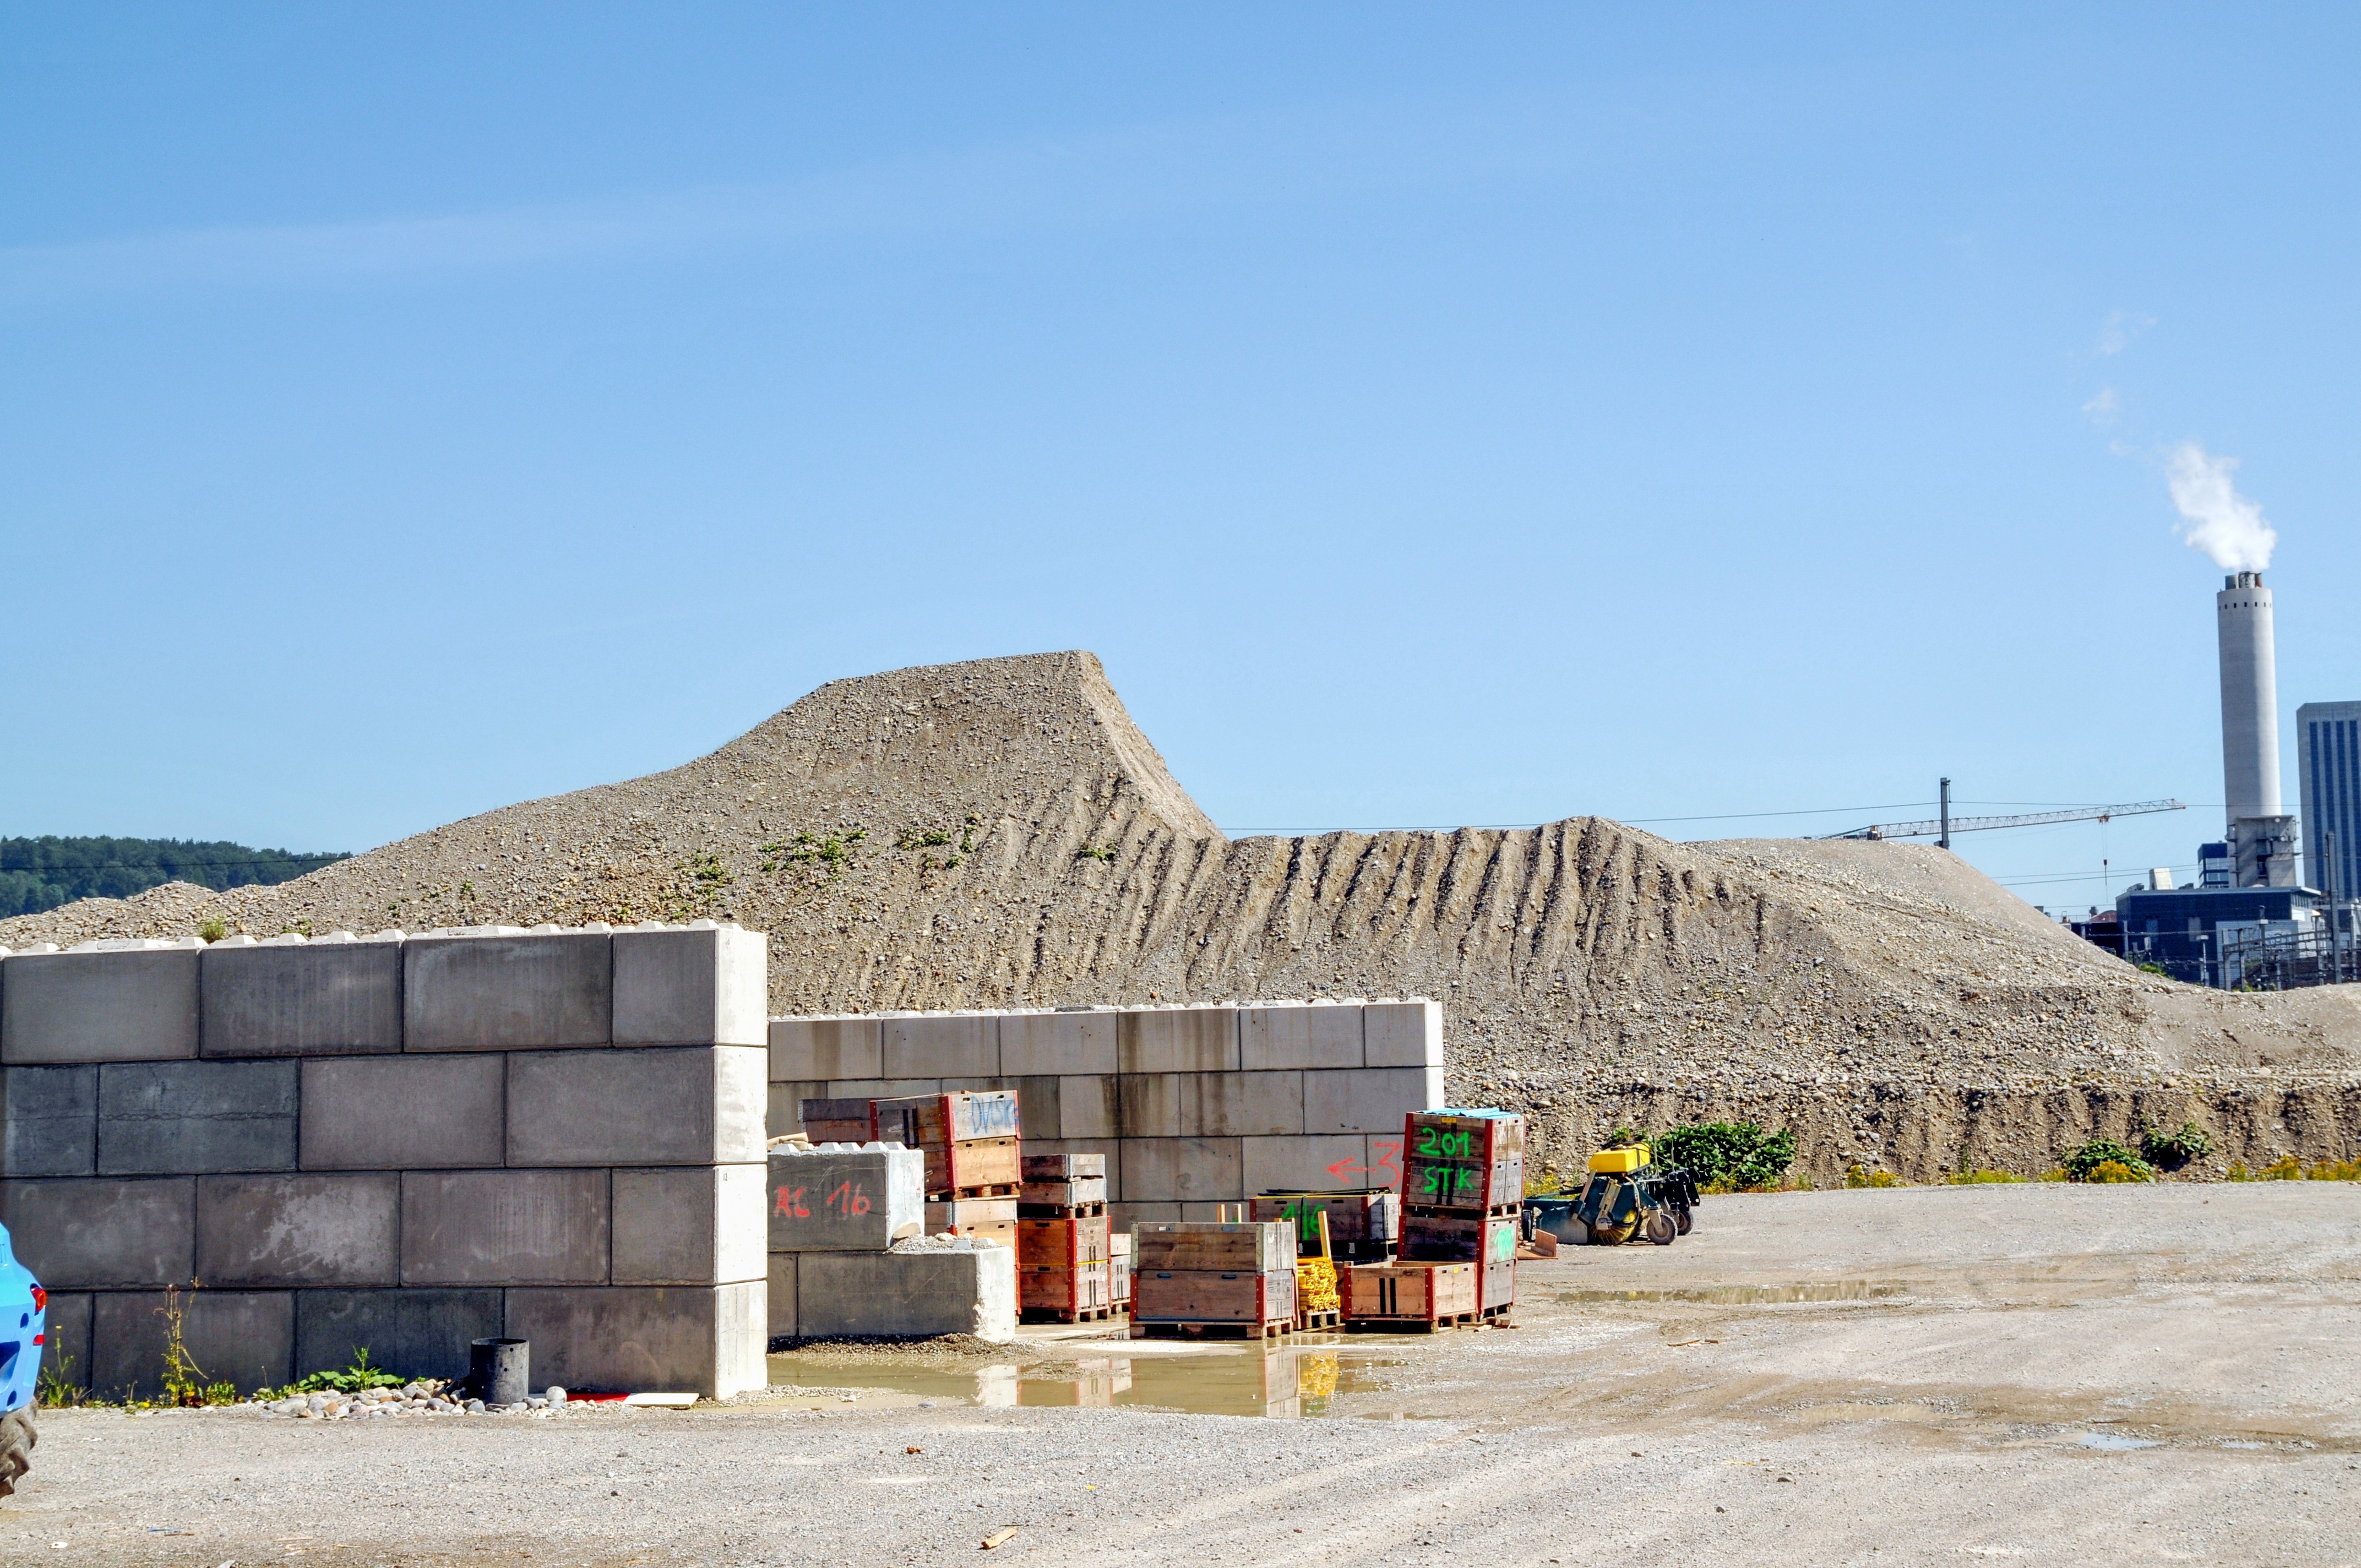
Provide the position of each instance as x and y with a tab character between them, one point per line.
1463	1189
1064	1253
970	1142
1119	1247
1364	1222
1209	1278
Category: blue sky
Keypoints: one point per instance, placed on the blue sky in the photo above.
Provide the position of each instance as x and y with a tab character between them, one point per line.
1430	417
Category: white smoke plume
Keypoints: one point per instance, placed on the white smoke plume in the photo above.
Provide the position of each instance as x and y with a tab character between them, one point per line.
2222	522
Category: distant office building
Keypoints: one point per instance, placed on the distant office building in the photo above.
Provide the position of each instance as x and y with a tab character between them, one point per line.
2328	738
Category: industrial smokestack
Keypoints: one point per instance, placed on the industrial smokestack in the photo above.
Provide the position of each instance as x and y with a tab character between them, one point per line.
2262	834
2250	698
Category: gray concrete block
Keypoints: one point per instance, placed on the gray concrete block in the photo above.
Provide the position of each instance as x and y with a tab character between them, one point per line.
134	1004
504	1227
1037	1102
966	1289
507	992
246	1337
806	1048
411	1333
1124	1216
661	1105
840	1197
195	1117
1372	1100
99	1232
309	999
48	1121
1307	1164
879	1088
707	1340
1089	1107
1178	1039
691	987
782	1295
1209	1104
787	1112
942	1045
65	1339
1182	1170
688	1225
1063	1043
1402	1034
405	1113
299	1230
1300	1034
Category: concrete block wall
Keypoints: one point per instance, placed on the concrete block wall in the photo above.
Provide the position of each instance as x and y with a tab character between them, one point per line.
402	1142
1193	1106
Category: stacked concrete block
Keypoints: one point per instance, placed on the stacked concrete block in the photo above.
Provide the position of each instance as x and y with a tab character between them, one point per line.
397	1143
1193	1106
917	1289
837	1198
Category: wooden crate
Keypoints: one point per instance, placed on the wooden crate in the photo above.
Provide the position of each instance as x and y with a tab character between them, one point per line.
1458	1238
1194	1246
1062	1181
1364	1223
993	1219
1213	1296
969	1138
1119	1265
1061	1244
1432	1294
1473	1161
838	1120
1066	1295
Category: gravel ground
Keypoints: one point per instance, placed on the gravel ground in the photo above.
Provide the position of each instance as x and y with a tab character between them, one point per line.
2043	1375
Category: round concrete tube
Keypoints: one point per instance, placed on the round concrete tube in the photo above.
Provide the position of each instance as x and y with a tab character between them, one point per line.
499	1370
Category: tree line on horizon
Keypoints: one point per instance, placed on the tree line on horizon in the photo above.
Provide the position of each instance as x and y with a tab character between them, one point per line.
44	873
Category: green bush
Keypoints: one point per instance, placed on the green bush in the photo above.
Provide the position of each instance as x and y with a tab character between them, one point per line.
1726	1154
2083	1162
1855	1175
2170	1151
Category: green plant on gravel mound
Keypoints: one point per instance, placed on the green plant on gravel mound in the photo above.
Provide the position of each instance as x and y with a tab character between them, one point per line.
2170	1151
2086	1163
1857	1176
1981	1177
1726	1157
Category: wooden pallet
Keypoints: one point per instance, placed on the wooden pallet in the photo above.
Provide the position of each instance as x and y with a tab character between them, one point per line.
1083	1315
1411	1325
1307	1323
1446	1212
1498	1317
1274	1329
1059	1211
989	1189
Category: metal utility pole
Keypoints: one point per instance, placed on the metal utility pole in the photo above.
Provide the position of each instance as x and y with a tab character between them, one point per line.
1945	842
2335	936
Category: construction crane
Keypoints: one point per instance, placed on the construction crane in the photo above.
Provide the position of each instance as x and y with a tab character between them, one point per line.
1942	827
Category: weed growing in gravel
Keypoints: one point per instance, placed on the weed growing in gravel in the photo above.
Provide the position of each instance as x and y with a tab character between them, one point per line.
1726	1157
1095	852
2287	1168
835	852
2083	1162
913	839
2170	1151
1857	1176
212	928
351	1379
1981	1177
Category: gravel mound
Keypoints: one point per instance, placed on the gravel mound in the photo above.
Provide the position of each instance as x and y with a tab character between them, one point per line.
1000	833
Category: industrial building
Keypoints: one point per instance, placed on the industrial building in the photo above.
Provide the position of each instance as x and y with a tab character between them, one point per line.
2328	737
2249	921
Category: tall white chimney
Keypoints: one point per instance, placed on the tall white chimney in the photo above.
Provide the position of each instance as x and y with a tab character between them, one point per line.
2263	835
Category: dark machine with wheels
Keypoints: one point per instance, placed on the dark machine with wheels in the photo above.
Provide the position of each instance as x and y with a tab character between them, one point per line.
1628	1199
20	1363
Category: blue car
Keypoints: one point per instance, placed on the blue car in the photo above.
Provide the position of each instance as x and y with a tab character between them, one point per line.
21	1297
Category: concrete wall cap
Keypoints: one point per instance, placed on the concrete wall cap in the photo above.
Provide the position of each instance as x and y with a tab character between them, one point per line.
134	944
240	940
703	926
286	940
547	928
37	948
387	935
337	936
596	925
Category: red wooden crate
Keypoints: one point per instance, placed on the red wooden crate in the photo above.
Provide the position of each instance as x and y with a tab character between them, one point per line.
1455	1160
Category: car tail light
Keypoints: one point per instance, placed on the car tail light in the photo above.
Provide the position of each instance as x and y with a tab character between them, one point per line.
40	1339
41	1299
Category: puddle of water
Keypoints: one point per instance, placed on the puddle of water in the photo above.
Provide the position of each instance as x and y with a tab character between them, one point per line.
2116	1442
1741	1295
1284	1382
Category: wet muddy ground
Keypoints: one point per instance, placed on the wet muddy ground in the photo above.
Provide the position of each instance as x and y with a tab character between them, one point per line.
2034	1373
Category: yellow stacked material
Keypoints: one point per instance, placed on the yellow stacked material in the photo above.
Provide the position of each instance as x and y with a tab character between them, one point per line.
1315	1286
1618	1162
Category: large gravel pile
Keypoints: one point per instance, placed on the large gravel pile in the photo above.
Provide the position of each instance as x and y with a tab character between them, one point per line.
999	832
